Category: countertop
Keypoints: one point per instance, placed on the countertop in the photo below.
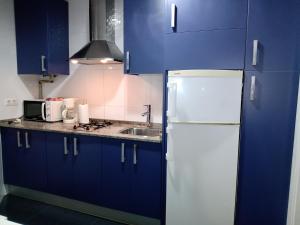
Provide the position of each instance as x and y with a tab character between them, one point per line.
112	131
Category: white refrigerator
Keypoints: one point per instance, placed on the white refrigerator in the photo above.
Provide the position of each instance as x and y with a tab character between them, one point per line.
204	108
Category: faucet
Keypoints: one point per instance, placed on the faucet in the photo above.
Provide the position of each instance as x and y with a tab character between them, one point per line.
148	113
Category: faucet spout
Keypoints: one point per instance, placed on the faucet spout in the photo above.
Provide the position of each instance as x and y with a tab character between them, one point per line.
148	114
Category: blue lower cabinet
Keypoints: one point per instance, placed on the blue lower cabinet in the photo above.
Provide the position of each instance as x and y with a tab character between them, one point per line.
216	49
74	166
86	168
115	188
24	158
59	164
266	148
146	186
131	177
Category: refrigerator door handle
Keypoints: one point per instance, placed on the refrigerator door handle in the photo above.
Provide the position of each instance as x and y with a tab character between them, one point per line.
252	88
172	99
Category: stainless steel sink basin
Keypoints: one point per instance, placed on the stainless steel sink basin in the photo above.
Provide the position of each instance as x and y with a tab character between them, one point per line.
149	132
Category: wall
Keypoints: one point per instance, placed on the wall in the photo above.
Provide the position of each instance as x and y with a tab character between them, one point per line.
109	93
11	85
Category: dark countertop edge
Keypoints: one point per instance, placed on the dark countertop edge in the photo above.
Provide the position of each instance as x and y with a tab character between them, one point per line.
83	133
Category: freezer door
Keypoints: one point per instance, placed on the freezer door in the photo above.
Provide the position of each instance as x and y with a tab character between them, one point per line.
205	96
201	174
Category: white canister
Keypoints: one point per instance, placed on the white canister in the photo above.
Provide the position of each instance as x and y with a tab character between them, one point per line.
83	113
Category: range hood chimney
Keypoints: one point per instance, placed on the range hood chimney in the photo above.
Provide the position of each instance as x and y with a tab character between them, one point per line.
102	48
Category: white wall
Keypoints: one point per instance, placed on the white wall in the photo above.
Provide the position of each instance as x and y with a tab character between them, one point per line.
110	93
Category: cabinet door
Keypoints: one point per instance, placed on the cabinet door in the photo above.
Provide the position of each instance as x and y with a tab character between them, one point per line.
266	148
86	168
58	37
275	25
34	164
146	186
143	37
12	161
59	164
219	49
195	15
31	35
115	175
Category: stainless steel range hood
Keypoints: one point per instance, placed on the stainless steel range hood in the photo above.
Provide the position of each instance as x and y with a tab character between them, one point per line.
102	48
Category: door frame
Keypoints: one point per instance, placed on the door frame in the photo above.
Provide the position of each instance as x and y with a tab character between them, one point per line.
295	173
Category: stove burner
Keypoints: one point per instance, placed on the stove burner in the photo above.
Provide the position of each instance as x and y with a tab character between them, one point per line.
92	126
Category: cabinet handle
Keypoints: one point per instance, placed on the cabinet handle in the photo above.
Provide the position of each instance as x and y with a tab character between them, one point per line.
127	61
75	147
134	154
27	145
255	53
66	146
43	63
173	16
123	153
252	88
19	139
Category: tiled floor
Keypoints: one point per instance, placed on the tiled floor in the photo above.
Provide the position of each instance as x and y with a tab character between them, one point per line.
15	210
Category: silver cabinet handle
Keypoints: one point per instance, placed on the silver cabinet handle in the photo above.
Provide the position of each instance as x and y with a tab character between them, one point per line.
27	145
255	53
19	139
66	146
123	153
43	68
134	154
127	61
173	16
252	88
75	147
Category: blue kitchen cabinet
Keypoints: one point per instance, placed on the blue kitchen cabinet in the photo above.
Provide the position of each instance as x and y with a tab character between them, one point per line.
195	15
42	36
266	148
215	49
87	169
115	188
146	186
59	164
24	158
143	36
132	177
275	25
74	166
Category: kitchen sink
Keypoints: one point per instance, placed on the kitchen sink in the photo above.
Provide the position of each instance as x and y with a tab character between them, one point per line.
149	132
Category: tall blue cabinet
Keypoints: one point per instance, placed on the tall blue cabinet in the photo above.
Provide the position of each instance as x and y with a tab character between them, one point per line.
268	113
42	36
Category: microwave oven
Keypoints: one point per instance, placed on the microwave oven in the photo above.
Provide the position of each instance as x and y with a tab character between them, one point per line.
42	110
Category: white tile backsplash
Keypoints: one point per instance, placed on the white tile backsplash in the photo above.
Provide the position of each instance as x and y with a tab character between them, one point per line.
111	94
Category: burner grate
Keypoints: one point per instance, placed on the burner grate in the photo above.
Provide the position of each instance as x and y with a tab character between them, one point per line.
92	126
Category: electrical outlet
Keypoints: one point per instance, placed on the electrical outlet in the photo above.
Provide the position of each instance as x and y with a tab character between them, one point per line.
10	102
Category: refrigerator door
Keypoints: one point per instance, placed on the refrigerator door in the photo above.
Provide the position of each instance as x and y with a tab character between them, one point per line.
205	96
201	174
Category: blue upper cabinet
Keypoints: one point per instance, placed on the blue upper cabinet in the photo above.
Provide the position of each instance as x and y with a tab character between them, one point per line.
195	15
42	36
275	26
143	36
218	49
266	148
208	34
